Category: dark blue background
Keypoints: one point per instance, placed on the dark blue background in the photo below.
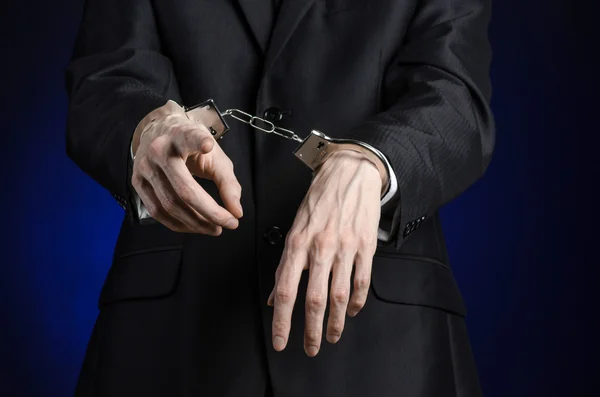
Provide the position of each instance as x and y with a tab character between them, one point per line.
520	240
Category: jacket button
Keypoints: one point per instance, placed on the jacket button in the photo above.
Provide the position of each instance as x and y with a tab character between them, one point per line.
273	115
273	235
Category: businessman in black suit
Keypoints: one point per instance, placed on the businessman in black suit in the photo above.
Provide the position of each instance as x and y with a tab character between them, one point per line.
200	302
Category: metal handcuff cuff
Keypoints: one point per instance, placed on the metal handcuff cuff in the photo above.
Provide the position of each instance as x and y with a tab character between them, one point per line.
313	150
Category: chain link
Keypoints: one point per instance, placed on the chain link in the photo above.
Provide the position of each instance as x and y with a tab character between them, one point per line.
261	124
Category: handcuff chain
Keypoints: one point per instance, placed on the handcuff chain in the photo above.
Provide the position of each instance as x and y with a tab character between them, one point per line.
261	124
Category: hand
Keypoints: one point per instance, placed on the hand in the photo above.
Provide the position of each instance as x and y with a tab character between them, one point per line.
335	230
170	149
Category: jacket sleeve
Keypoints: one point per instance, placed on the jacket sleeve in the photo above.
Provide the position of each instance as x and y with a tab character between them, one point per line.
117	74
436	127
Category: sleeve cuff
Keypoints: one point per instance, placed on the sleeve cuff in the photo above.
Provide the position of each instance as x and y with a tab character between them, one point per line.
384	235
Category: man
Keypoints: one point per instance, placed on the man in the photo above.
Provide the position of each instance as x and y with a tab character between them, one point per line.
241	287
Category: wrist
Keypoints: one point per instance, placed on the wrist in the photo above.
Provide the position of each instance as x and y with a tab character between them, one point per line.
372	158
159	113
318	147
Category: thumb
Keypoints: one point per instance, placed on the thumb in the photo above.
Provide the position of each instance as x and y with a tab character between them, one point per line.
229	187
270	300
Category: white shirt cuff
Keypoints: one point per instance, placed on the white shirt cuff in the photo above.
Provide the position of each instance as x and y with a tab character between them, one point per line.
384	235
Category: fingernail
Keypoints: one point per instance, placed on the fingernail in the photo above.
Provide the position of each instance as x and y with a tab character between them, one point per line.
312	350
231	224
333	338
352	313
278	343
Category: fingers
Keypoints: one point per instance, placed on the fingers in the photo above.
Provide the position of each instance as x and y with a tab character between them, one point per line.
338	229
178	199
198	139
165	206
229	187
155	208
286	290
172	202
362	279
322	253
294	241
339	296
191	138
271	299
192	194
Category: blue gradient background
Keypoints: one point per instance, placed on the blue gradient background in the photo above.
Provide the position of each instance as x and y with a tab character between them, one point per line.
520	240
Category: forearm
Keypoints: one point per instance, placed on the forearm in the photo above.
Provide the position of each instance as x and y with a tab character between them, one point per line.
116	76
436	128
98	137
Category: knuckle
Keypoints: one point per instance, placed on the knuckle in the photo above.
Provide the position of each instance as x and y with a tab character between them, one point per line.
325	242
283	294
335	328
169	203
152	210
182	132
340	296
315	300
218	218
361	281
296	241
189	133
177	128
157	147
185	193
280	326
171	117
313	334
142	166
196	136
348	242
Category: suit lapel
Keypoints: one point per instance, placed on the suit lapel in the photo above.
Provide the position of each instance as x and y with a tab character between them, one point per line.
290	14
260	17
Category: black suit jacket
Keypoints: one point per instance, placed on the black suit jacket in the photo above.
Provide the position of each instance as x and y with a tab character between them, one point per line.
186	314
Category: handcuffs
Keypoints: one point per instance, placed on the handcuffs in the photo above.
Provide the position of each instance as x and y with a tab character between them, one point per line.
313	150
